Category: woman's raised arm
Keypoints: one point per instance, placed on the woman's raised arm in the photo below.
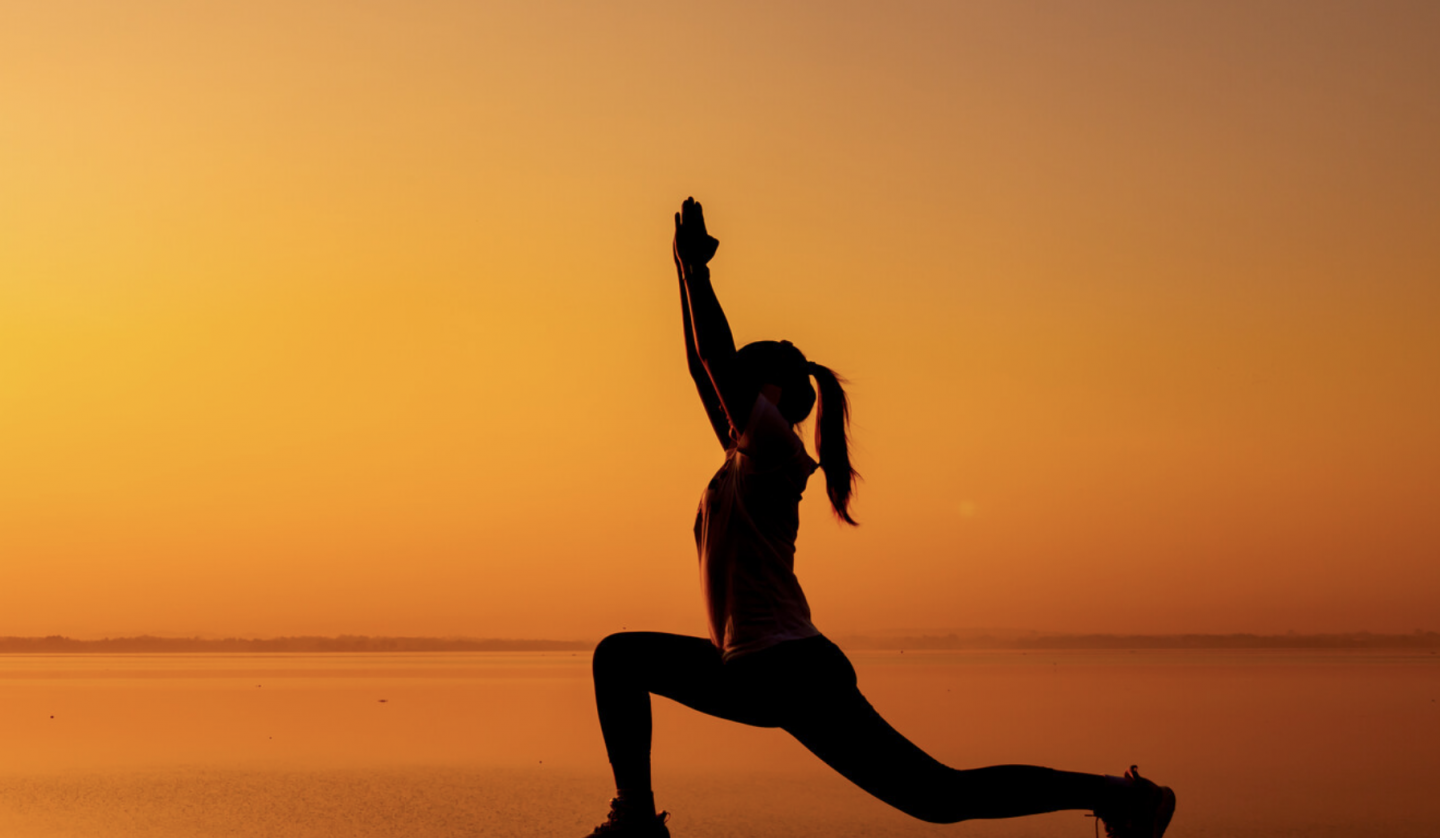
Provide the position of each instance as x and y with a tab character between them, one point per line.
708	397
709	330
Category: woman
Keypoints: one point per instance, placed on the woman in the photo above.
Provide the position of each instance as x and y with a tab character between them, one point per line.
765	663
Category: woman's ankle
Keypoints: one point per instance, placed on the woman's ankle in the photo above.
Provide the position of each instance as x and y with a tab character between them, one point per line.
634	803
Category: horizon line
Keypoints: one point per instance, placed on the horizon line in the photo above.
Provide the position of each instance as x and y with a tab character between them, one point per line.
145	643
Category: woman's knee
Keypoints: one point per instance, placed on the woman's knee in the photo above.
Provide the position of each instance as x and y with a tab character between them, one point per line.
932	813
854	740
617	651
926	798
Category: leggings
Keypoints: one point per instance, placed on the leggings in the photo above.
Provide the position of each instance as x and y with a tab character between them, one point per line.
808	688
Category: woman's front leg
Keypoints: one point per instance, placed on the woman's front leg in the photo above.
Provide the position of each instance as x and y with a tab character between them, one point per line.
628	667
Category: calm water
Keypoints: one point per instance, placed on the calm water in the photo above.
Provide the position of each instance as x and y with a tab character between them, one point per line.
1255	744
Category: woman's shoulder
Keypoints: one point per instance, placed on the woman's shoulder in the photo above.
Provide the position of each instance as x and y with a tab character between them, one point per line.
769	439
765	421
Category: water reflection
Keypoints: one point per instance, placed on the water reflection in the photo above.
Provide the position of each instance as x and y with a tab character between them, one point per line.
1256	743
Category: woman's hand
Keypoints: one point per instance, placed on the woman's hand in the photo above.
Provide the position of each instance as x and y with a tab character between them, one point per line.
693	246
714	344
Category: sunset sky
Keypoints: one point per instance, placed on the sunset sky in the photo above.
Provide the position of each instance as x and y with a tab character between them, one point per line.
360	317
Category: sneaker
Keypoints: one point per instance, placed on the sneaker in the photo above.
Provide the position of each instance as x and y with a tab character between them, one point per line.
1146	816
619	824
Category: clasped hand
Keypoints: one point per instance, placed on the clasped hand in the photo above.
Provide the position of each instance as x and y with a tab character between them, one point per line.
693	246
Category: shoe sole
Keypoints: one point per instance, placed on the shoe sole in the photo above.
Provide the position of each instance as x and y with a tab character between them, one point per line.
1165	811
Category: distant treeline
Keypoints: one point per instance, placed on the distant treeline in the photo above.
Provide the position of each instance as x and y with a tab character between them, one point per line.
1355	640
56	644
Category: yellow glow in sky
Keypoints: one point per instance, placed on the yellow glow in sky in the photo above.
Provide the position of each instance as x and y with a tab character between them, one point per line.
337	318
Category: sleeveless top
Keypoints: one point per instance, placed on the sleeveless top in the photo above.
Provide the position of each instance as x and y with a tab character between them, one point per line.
745	533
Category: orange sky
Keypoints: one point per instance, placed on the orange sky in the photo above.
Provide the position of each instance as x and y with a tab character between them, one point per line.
360	318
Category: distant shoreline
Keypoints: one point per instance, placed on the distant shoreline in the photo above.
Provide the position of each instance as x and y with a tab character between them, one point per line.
1060	642
56	644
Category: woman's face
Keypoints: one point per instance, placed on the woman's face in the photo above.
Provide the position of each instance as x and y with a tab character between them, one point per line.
795	400
780	370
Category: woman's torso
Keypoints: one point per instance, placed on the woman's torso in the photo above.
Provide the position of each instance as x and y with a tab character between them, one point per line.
745	532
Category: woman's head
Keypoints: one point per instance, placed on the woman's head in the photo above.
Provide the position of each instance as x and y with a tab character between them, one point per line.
779	363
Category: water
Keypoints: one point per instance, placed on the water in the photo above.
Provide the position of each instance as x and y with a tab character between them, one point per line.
1255	744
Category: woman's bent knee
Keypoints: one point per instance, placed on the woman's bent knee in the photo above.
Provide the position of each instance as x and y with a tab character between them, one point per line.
613	643
613	652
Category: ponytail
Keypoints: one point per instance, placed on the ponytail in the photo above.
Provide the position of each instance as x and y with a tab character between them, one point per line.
832	418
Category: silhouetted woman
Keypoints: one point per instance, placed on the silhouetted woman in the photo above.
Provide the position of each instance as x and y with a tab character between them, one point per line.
765	663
